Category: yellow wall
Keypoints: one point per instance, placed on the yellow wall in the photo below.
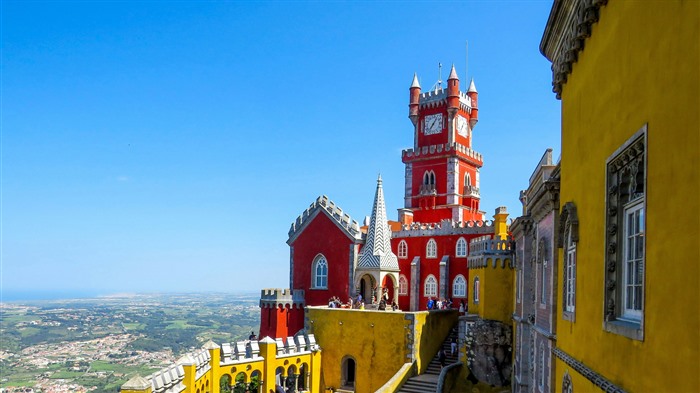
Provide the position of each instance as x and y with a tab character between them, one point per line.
640	66
495	292
377	340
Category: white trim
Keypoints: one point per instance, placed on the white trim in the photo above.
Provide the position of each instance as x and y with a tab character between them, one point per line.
463	286
318	260
461	252
431	249
402	250
403	285
430	286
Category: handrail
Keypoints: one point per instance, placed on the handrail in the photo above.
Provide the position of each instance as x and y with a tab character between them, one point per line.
443	375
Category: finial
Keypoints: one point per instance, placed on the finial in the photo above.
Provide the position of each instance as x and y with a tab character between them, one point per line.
453	73
379	178
472	87
415	81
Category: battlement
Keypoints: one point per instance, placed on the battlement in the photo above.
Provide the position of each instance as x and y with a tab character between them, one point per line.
438	97
485	249
275	297
333	211
445	227
441	148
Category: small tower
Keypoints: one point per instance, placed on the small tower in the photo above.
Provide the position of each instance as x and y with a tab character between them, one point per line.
474	98
281	312
414	98
378	266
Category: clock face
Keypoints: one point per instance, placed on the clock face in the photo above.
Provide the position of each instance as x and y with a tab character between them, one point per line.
433	124
462	126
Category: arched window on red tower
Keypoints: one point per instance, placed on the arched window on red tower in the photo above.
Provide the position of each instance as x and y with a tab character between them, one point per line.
459	287
430	288
403	285
320	273
431	249
403	249
461	248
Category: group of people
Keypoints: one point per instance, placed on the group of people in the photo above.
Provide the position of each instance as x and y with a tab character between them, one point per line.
359	304
444	304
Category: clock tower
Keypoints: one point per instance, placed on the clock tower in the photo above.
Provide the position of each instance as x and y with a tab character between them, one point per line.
442	170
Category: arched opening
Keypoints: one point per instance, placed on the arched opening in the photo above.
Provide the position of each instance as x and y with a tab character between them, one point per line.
241	384
225	383
388	291
367	284
347	372
279	376
303	382
255	382
292	378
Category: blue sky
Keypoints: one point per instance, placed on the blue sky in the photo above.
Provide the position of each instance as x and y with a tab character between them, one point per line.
168	146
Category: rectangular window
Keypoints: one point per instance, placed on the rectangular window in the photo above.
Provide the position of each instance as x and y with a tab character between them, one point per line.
625	238
633	266
570	277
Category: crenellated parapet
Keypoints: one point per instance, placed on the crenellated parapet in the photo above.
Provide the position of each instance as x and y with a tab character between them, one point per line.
438	97
440	149
276	297
445	227
485	249
333	211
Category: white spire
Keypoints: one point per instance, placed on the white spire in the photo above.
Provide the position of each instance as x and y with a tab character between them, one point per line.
415	81
453	73
472	87
377	250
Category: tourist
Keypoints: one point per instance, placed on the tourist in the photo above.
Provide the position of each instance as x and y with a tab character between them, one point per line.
442	357
362	305
394	306
252	336
431	303
461	307
350	302
453	346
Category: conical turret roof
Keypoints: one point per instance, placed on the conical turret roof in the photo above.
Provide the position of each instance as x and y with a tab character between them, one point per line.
472	87
453	73
415	81
377	252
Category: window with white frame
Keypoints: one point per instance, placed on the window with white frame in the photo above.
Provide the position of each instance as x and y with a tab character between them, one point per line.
570	273
403	249
430	287
459	286
320	273
625	234
461	248
403	285
540	373
431	249
475	296
633	265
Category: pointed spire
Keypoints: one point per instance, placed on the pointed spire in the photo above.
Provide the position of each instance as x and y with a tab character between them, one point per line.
453	73
415	81
377	251
472	87
137	383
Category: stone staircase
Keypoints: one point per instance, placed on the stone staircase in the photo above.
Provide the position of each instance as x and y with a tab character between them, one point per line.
427	382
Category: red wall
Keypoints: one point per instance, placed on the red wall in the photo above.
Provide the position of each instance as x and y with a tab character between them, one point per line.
280	321
322	236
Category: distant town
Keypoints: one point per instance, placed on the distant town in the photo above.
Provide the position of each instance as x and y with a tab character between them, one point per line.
95	345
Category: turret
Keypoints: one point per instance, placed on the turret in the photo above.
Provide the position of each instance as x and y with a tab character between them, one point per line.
474	96
453	90
414	100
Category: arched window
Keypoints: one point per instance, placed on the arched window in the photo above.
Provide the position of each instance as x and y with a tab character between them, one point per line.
467	179
403	249
403	285
429	178
320	273
430	288
431	249
461	248
476	290
459	286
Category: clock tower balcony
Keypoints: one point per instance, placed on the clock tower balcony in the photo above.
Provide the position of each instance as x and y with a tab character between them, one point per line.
471	192
443	150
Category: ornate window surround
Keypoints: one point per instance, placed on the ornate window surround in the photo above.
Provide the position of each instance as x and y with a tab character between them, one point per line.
626	168
568	239
320	261
476	290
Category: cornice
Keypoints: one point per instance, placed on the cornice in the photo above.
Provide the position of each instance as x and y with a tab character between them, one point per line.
564	36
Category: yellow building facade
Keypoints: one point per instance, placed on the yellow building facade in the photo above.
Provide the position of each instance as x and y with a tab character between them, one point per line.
627	74
268	362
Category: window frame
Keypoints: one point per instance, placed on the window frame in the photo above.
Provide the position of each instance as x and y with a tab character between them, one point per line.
402	250
476	290
541	364
431	252
632	314
463	286
432	290
626	190
569	299
320	258
463	242
403	285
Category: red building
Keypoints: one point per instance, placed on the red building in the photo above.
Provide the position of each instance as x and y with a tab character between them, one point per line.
422	255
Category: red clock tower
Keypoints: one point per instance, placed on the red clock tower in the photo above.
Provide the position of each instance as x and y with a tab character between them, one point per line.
442	170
